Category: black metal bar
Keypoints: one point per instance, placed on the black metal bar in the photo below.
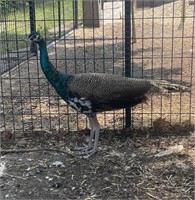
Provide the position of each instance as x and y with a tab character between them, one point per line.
59	18
102	4
128	4
33	47
75	13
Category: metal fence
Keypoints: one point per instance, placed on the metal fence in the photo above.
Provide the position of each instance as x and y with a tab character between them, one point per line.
153	46
18	18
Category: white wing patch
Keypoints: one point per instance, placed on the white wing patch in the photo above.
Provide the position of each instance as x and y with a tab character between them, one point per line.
81	105
74	105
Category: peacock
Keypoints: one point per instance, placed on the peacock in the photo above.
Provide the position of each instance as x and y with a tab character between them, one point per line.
91	93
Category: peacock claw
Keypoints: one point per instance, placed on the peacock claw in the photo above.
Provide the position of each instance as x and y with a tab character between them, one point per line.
85	151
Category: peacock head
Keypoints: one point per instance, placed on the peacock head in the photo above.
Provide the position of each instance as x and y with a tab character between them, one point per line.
35	37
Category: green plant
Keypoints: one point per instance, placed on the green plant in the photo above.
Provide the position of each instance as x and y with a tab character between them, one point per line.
17	23
9	6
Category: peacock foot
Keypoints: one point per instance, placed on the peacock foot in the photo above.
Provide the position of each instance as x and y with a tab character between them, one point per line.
85	150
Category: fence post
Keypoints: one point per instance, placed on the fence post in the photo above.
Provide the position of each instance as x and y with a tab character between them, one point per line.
33	47
75	13
59	18
128	39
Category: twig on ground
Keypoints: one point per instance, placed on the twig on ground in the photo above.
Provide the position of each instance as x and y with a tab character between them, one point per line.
150	195
13	176
6	151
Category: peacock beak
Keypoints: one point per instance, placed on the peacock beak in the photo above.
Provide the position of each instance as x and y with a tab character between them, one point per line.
29	37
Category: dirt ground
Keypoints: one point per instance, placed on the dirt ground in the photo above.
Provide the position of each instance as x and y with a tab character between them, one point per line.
130	164
153	160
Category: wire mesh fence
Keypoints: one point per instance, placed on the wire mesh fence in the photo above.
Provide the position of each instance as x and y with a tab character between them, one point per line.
152	46
18	18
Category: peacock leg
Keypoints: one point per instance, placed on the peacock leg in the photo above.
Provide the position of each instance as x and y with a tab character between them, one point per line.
95	127
91	148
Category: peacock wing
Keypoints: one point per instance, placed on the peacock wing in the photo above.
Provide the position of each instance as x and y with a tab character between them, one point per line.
104	88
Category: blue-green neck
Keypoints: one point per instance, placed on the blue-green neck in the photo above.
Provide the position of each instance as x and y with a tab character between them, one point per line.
57	79
49	70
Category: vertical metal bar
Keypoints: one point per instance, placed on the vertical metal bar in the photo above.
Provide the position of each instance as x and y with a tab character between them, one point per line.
28	83
122	53
113	54
11	96
102	4
59	18
128	4
183	14
75	13
104	52
75	57
33	47
182	68
133	22
162	53
172	57
192	78
144	3
152	57
19	69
